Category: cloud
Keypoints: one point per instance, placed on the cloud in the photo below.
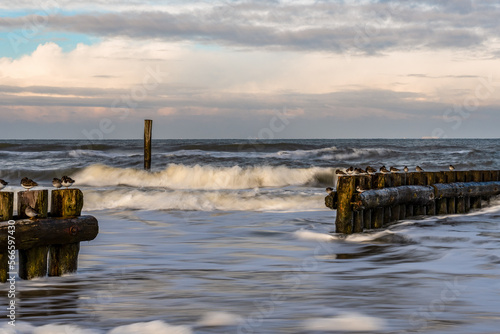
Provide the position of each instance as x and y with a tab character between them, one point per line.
371	27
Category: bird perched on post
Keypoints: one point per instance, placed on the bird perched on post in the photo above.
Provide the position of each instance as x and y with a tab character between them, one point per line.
384	170
359	171
394	170
419	169
370	170
57	183
406	169
28	183
360	189
350	170
339	172
329	190
452	168
3	184
66	181
30	212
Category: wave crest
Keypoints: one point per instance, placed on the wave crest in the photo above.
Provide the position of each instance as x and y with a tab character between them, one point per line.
176	176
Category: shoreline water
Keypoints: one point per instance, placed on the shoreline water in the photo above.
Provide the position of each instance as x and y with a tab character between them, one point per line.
246	235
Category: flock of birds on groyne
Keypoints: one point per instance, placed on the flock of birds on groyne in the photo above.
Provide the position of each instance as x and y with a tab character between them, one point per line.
370	170
27	184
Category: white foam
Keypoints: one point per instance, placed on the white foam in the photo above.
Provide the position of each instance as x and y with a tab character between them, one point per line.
200	200
348	322
176	176
313	236
152	327
61	329
216	319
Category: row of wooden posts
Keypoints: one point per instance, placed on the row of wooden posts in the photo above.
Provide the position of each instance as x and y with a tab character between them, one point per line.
48	244
386	198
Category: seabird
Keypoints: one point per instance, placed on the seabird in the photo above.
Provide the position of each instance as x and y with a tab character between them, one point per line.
451	167
359	189
3	184
329	190
360	171
28	183
406	169
339	172
370	170
30	212
66	181
384	170
394	170
57	183
350	170
419	169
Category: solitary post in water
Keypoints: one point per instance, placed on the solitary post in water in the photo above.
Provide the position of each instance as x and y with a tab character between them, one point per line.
148	129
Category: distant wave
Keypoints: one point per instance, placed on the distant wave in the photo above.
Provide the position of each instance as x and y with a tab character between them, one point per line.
139	199
177	176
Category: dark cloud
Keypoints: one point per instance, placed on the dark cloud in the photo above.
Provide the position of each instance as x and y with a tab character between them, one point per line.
365	28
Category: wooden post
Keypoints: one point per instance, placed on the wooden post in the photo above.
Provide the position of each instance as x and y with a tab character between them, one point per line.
402	207
148	130
430	180
451	177
461	206
441	203
33	262
345	191
395	210
4	267
358	218
63	259
66	203
486	177
419	179
6	206
410	181
378	212
476	176
37	199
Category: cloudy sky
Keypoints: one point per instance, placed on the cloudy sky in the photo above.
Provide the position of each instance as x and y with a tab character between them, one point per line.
249	69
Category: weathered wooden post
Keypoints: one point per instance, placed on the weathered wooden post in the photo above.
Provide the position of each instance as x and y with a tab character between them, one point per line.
396	181
378	212
63	258
345	190
367	183
66	202
410	208
33	261
451	177
148	130
4	266
462	202
419	179
486	177
475	176
441	203
430	180
358	215
37	199
6	206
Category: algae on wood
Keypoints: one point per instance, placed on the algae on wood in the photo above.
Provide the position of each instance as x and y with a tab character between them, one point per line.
66	203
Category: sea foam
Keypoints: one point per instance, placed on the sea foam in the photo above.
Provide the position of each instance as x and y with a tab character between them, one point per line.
177	176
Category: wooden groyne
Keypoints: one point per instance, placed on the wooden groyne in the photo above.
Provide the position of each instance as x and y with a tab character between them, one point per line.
389	197
48	243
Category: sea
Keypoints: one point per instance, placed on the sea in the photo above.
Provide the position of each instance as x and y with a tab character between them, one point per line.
233	236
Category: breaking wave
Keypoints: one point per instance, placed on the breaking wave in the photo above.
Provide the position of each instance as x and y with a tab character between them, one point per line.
177	176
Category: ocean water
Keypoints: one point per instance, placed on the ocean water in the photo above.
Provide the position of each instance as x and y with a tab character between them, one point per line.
232	236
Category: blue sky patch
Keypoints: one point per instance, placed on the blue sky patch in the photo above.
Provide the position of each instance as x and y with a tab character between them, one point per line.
17	43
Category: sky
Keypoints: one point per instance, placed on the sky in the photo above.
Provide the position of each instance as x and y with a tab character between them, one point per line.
95	69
